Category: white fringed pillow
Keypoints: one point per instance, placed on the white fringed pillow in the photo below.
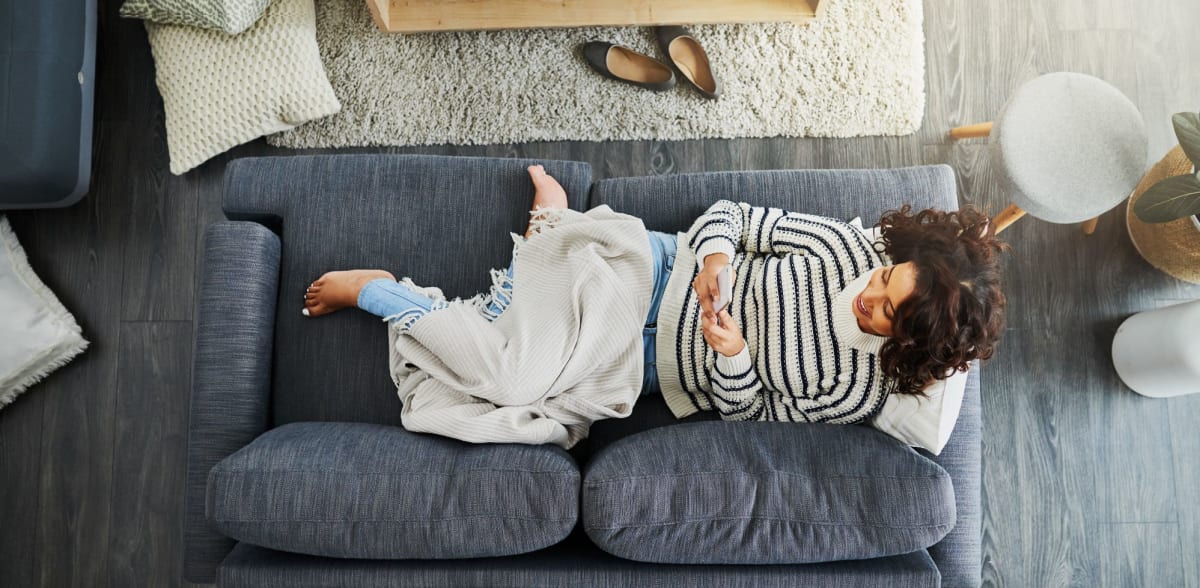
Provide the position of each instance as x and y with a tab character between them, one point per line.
220	91
37	334
927	421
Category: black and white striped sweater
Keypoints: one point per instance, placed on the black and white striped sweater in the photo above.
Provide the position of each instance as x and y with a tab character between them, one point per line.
796	276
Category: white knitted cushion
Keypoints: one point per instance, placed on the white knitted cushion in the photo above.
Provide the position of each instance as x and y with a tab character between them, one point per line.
927	421
37	334
220	91
230	16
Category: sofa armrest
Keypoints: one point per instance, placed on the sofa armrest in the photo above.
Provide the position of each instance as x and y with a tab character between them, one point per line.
231	374
959	555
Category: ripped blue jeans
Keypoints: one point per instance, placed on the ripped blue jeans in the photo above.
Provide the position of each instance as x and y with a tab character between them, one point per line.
396	302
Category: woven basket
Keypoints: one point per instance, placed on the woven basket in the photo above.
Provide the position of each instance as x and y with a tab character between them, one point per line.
1172	247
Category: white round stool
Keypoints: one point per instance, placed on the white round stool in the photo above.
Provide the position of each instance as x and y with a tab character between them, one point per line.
1068	147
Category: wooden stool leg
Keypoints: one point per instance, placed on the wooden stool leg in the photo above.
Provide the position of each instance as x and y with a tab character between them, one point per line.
969	131
1089	226
1007	217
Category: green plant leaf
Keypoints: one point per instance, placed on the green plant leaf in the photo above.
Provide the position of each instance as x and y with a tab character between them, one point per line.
1169	199
1187	129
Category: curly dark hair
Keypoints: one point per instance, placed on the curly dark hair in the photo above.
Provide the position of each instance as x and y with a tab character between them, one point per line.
956	311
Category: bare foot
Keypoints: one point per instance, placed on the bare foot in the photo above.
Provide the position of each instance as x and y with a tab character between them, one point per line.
337	290
547	192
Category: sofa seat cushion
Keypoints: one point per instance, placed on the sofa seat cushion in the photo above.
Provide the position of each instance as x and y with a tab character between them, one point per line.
720	492
360	490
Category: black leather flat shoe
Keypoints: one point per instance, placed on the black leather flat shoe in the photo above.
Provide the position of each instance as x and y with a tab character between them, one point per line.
686	54
626	65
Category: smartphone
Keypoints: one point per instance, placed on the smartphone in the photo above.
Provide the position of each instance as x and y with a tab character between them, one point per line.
724	290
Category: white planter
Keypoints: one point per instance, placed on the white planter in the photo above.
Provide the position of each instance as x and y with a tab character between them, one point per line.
1157	352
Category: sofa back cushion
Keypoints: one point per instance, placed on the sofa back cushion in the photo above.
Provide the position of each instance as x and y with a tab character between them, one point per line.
443	221
763	493
380	492
671	203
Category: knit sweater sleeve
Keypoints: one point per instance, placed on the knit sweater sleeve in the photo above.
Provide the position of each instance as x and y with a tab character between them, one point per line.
737	391
728	227
738	394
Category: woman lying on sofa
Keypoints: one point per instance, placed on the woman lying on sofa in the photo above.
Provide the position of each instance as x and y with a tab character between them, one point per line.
824	322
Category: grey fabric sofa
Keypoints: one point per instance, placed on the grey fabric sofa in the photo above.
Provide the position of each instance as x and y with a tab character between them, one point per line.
263	371
47	85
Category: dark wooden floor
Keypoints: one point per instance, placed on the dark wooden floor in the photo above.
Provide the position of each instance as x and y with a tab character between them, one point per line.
1085	482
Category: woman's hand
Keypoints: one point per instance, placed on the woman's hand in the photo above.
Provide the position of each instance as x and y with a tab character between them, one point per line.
726	337
705	283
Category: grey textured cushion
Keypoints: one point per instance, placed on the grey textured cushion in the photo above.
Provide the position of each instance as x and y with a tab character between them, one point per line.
764	493
444	221
567	565
378	492
1069	146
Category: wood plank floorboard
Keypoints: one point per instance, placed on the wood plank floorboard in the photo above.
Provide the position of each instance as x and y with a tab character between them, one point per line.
20	490
1084	482
78	254
154	374
1185	446
161	239
1159	565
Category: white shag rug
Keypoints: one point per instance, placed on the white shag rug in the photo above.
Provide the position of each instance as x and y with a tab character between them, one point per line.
858	70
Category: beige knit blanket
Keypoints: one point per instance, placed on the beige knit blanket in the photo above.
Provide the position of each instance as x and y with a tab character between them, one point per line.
566	352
